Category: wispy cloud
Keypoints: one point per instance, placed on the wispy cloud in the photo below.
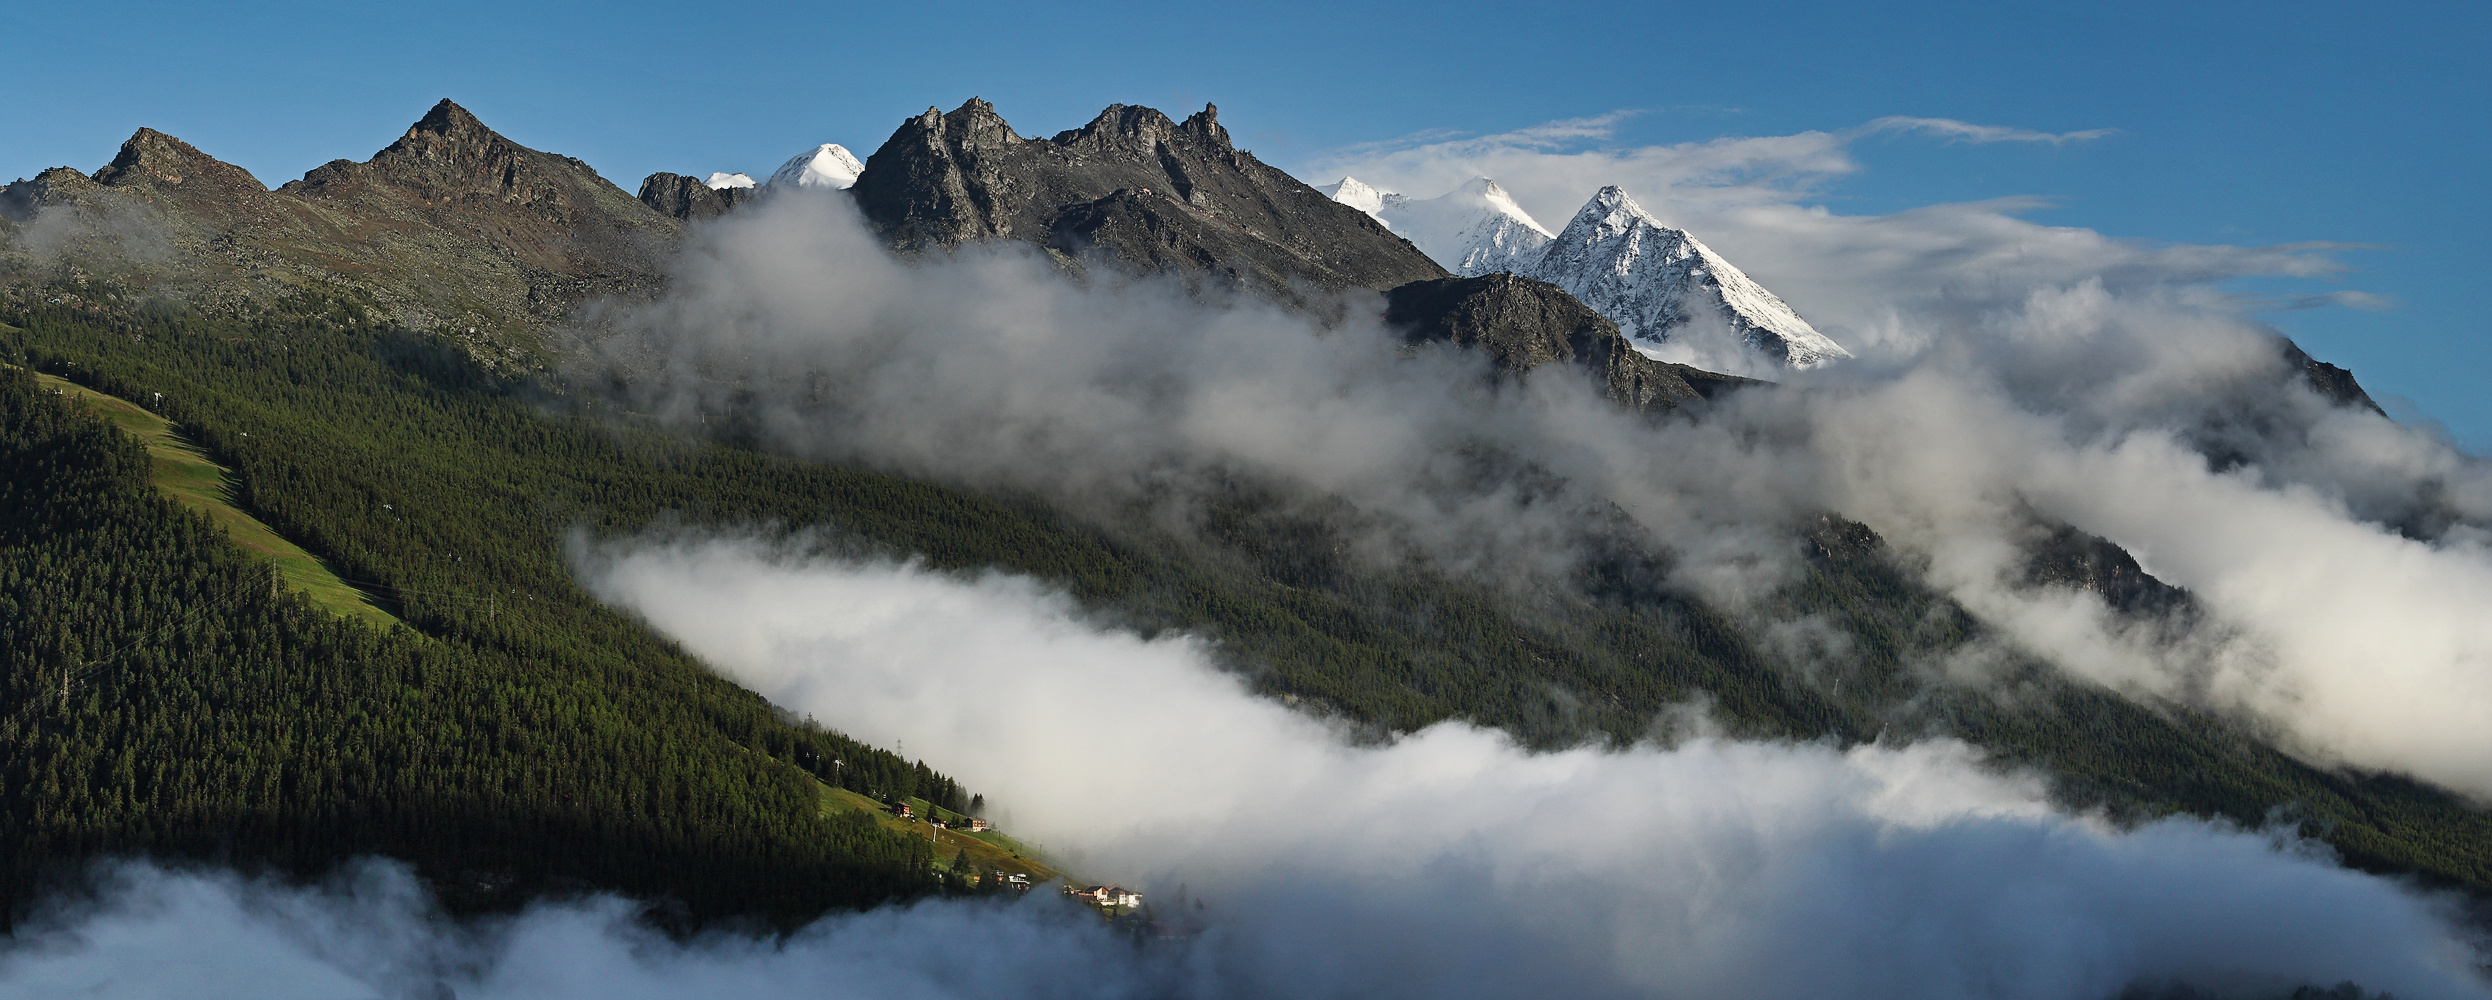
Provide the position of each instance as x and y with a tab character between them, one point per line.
2345	298
1961	131
1760	201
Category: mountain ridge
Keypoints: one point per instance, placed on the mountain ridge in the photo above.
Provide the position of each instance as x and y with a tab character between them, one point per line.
1190	200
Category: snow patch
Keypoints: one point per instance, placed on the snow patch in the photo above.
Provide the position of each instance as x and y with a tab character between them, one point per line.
723	180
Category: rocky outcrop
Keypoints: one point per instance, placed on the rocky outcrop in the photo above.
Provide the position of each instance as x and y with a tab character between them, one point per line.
1132	188
1523	325
688	198
2063	556
2334	384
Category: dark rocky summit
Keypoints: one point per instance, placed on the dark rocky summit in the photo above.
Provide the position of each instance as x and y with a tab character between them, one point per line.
689	199
1522	324
1133	189
2062	556
2334	384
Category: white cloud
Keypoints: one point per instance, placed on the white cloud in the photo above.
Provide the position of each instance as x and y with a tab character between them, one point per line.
1968	132
2007	370
1858	278
1448	863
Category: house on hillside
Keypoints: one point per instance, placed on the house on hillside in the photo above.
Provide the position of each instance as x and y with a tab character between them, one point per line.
977	825
903	811
1108	895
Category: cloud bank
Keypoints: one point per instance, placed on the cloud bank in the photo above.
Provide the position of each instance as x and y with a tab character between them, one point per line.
1445	864
2337	555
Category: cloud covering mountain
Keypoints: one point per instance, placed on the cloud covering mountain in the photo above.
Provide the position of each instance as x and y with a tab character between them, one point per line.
1446	863
2135	404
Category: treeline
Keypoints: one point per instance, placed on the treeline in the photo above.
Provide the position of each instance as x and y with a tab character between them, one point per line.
449	493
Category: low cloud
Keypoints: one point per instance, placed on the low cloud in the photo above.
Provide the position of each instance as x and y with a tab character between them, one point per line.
2072	377
1445	864
1451	863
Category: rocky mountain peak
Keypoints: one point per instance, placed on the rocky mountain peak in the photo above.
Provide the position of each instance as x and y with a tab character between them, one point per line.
152	157
1129	186
690	198
1204	126
448	138
449	119
1609	213
1130	121
974	124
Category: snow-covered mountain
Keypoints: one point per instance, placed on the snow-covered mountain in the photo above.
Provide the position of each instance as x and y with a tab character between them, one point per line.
1674	298
828	165
1350	191
1671	294
1474	230
723	180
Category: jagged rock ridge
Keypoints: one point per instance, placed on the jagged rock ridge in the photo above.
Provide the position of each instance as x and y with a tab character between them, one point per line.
1523	325
1132	188
452	226
689	198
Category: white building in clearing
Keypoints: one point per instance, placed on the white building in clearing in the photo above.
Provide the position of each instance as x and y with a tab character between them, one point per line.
1108	895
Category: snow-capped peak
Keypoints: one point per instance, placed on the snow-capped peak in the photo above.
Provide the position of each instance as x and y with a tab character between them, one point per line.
1670	294
828	165
1473	230
723	180
1356	194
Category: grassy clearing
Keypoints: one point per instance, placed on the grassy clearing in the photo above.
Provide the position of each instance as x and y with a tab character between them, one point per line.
190	477
1007	855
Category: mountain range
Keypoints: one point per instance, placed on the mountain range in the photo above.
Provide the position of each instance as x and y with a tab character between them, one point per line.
1669	293
376	354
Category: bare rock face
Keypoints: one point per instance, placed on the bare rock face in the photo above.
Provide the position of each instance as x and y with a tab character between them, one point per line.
451	227
689	199
461	185
1523	325
1131	188
164	163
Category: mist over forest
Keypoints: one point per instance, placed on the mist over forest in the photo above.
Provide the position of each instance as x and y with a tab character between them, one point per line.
2079	636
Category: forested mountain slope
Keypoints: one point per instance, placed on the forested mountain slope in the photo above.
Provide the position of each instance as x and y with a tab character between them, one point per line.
164	697
406	466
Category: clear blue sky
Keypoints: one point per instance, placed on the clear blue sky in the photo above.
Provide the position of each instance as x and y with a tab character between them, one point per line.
2244	123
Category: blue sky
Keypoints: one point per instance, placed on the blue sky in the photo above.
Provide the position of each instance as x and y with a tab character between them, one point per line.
2237	123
